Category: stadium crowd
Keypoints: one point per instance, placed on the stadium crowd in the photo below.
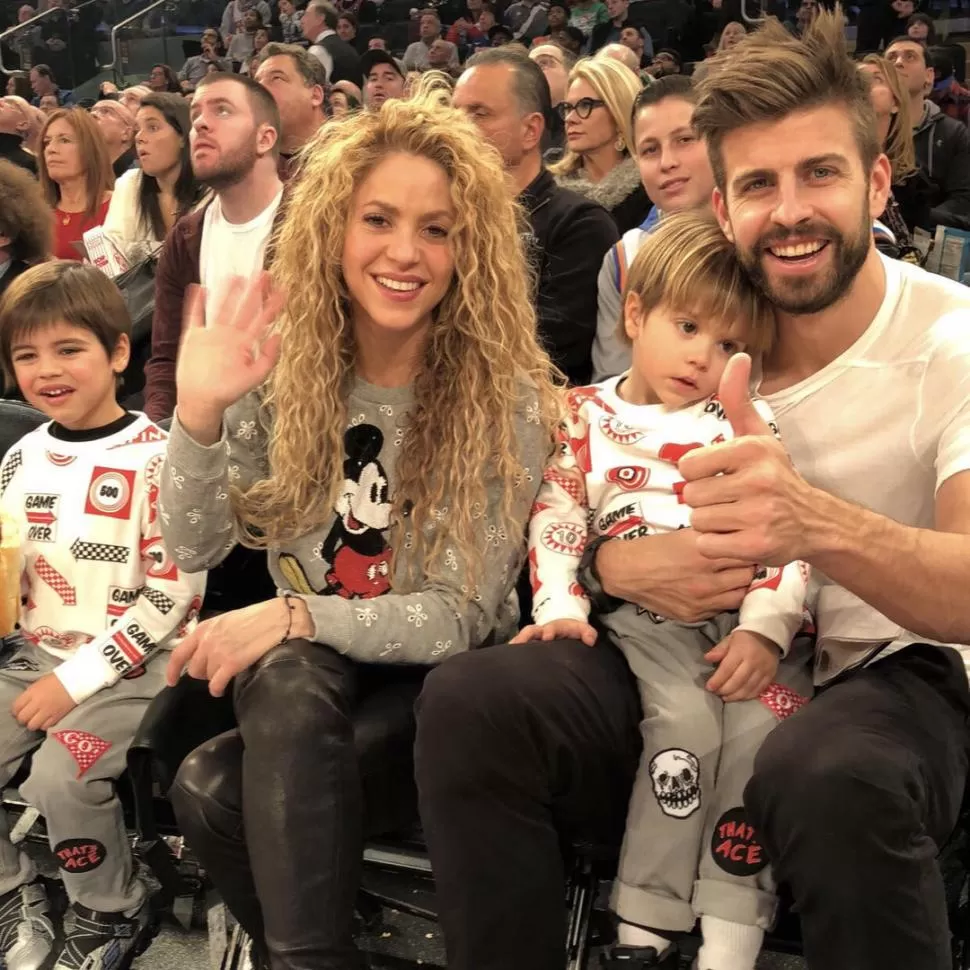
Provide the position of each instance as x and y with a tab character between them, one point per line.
340	293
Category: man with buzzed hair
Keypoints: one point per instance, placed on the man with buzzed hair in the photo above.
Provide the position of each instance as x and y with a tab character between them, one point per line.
507	96
235	145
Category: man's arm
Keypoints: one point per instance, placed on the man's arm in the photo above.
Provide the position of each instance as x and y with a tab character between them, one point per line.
954	210
566	304
610	355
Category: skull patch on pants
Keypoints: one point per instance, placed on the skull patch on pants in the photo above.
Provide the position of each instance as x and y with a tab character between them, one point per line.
675	774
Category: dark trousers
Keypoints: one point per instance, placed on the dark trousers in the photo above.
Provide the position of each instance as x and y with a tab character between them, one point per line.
854	796
519	747
277	808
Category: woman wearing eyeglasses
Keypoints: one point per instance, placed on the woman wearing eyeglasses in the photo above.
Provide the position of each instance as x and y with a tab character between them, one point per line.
598	162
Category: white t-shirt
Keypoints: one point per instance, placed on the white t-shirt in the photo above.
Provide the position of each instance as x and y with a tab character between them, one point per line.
883	426
230	249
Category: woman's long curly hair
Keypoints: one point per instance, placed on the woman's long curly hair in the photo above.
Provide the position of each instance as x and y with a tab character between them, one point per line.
482	364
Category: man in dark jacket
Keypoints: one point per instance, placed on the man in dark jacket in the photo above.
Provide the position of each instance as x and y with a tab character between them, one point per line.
13	129
339	59
507	96
942	144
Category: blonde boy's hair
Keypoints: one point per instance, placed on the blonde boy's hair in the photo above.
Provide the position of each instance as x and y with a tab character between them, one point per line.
689	265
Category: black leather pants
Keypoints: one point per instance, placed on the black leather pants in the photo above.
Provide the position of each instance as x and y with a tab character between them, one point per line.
275	808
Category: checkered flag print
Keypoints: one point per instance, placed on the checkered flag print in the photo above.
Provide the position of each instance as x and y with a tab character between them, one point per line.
99	552
14	460
782	701
56	581
159	600
85	748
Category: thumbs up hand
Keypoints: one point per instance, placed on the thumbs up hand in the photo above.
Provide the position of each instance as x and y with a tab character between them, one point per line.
748	501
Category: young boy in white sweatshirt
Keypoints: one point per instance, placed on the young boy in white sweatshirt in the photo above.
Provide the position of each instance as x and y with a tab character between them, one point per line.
102	595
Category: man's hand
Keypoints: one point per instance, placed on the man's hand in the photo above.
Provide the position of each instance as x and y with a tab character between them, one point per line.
746	664
557	630
44	703
668	575
219	648
749	502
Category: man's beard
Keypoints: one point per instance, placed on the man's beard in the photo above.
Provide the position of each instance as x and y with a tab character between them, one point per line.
229	170
815	293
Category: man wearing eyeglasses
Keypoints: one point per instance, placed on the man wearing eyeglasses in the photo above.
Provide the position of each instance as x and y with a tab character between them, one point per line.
507	96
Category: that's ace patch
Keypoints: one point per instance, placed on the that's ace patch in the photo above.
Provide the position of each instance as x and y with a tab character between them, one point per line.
79	855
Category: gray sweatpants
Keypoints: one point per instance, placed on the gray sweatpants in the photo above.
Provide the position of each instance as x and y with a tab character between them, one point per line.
72	780
689	850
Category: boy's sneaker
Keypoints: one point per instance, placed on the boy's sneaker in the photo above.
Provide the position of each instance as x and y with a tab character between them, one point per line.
26	930
639	958
104	941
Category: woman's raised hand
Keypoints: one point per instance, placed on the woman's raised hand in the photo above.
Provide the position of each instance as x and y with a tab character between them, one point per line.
225	357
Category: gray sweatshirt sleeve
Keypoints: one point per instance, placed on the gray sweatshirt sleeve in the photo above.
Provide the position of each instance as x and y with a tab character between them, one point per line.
610	355
193	499
429	626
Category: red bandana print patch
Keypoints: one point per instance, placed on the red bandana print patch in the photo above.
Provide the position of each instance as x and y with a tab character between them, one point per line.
85	748
782	701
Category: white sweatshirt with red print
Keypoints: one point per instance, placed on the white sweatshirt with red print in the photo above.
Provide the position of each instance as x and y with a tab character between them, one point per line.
102	592
615	473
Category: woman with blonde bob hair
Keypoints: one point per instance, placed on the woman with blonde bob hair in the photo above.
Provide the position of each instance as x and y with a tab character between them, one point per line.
908	203
376	416
598	162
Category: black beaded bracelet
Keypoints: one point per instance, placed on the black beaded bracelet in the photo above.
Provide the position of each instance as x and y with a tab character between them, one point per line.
289	619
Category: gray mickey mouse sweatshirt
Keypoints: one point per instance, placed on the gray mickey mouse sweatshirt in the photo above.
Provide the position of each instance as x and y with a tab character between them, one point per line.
342	571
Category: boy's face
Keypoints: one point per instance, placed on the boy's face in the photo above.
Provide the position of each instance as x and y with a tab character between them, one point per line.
678	357
64	371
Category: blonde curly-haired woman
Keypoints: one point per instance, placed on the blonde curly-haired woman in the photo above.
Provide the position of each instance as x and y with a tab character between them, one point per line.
376	418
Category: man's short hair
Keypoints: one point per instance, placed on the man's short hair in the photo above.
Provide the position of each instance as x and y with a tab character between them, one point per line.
906	39
310	68
325	10
529	84
44	71
671	53
261	101
770	74
77	293
680	86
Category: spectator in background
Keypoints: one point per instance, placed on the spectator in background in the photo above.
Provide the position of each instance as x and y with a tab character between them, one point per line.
347	29
731	36
243	42
14	126
947	93
907	206
385	78
340	61
295	79
195	68
234	25
76	176
527	19
571	39
897	18
611	32
148	201
290	22
921	27
633	38
499	35
586	16
505	94
666	61
131	97
25	42
37	119
942	144
467	35
163	78
18	84
377	43
555	64
44	85
260	40
117	126
343	103
235	154
676	174
429	30
26	232
599	140
49	104
557	17
623	54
